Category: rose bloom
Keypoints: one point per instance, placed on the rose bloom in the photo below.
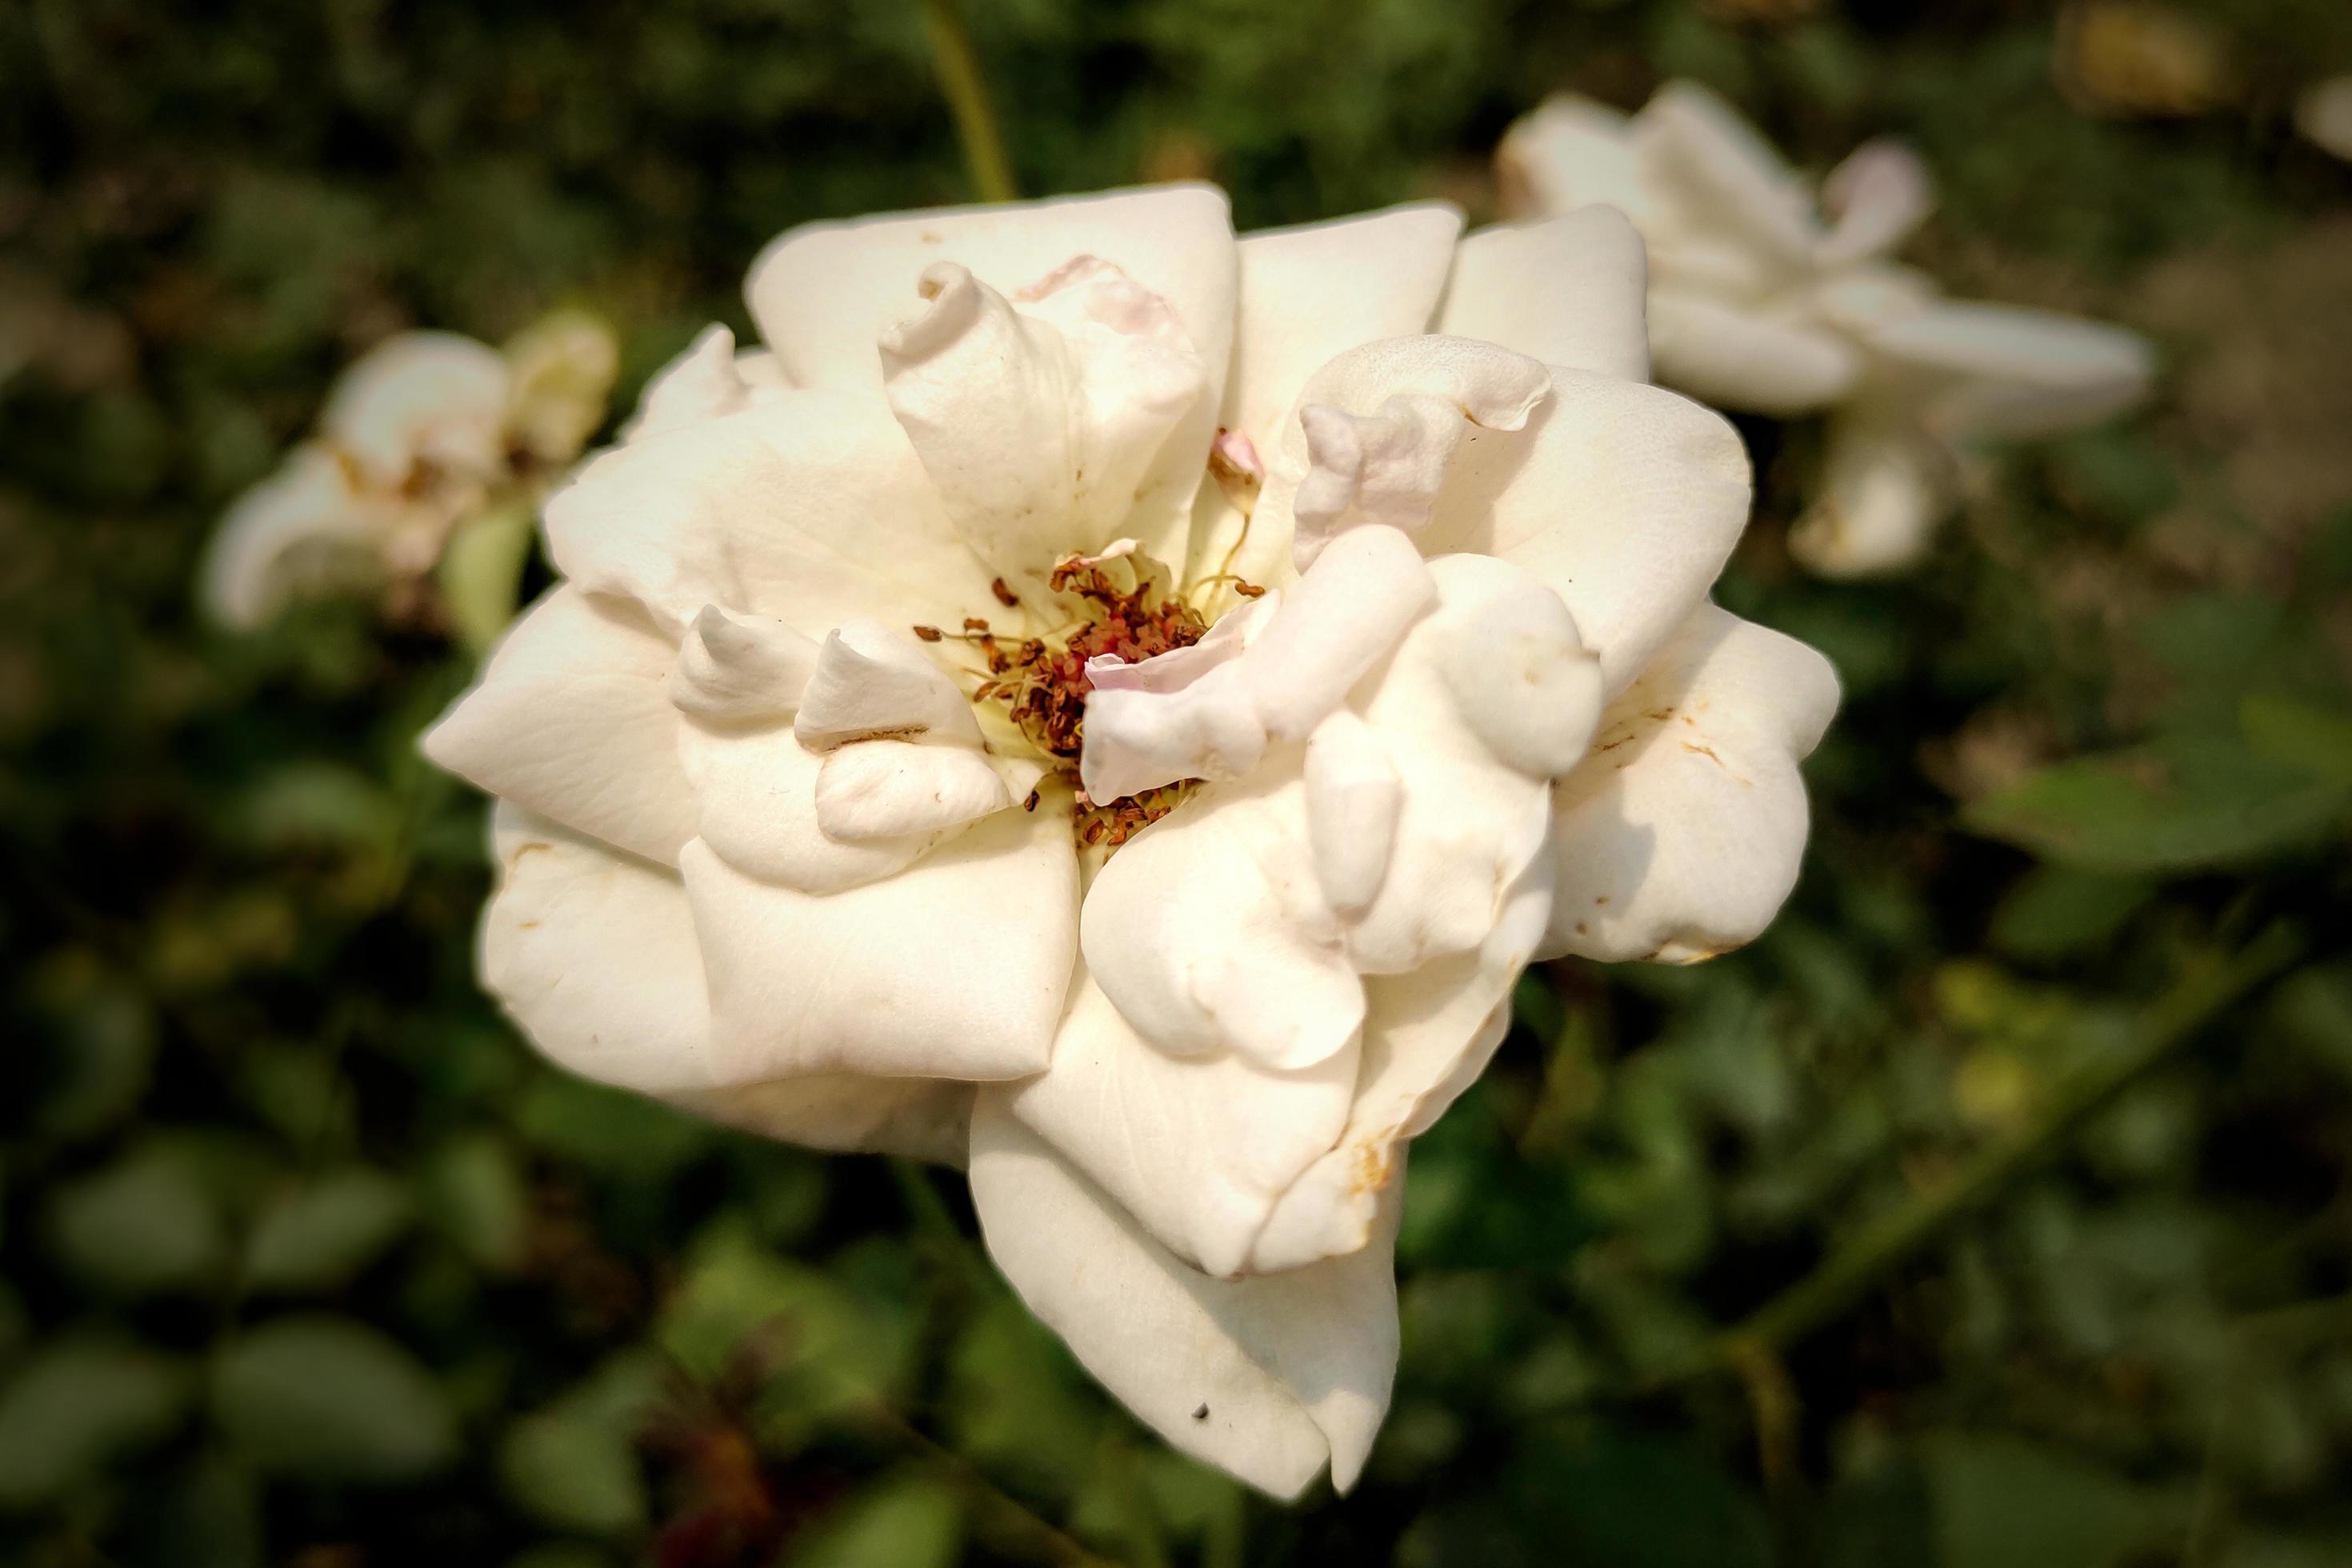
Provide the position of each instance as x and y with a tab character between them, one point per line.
1118	707
1766	298
423	432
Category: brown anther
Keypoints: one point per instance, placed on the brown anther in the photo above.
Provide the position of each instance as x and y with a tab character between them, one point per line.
1004	595
930	634
1031	803
974	624
1249	590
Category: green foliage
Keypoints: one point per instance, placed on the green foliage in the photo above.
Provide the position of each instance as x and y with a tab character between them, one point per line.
331	1398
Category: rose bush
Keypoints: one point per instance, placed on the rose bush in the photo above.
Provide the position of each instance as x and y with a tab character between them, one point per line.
1119	706
1763	299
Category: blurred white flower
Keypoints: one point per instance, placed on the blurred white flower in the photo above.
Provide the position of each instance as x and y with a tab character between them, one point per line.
423	434
1766	297
2323	115
1121	705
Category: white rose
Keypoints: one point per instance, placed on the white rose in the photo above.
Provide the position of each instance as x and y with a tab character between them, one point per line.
423	432
797	825
1759	302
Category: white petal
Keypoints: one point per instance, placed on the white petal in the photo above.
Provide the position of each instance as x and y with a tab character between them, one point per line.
872	682
1493	389
1040	425
1196	1148
740	668
2018	372
920	1117
1565	291
561	368
807	507
1689	142
1427	1036
1341	619
1879	195
1138	738
572	718
1680	836
955	967
1353	797
1624	500
1209	931
756	808
1733	356
1265	1378
1310	293
1571	152
593	954
415	397
303	527
1885	487
701	383
1380	468
1517	669
888	789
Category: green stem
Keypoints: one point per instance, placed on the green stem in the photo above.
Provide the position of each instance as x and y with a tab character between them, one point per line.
1882	1248
966	90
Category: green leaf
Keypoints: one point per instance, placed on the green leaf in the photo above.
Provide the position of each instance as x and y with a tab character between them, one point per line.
75	1405
481	573
2191	805
333	1399
2054	911
474	1194
615	1133
317	1237
574	1465
2300	734
2004	1502
141	1227
907	1521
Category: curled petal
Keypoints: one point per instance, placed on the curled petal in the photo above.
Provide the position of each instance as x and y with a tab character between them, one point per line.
705	382
755	809
1680	836
872	683
1884	489
892	789
303	527
1138	738
1520	675
1267	1379
1038	424
421	397
572	718
917	975
740	668
1564	291
1353	797
1366	587
1380	468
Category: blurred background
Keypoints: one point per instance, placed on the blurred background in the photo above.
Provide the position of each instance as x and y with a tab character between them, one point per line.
1992	1212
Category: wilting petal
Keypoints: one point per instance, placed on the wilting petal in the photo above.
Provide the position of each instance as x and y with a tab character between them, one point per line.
1692	145
1624	500
1195	1149
955	967
1380	468
1878	196
433	397
1565	291
872	682
1341	619
1493	388
1680	836
1310	293
1039	423
303	527
1353	798
1209	931
1885	487
1427	1036
808	507
705	381
1265	1378
1571	152
735	669
571	717
1734	356
2017	372
594	954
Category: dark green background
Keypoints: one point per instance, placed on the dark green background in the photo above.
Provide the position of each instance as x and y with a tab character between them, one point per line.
308	1260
